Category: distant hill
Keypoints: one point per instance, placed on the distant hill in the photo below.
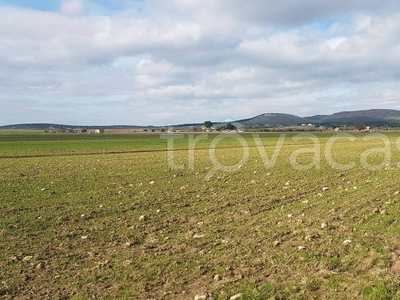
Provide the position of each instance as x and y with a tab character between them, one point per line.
316	119
274	119
51	126
372	117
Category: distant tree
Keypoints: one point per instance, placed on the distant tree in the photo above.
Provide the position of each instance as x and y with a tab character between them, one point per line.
229	126
359	126
208	124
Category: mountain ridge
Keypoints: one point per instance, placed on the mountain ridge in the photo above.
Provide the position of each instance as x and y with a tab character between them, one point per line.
373	117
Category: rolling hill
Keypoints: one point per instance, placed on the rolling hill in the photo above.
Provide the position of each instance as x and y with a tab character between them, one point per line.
53	126
274	119
372	117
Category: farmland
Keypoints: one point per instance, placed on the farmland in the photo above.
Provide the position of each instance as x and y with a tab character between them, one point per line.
109	216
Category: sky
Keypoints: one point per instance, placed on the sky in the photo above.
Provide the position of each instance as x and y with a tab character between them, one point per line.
159	62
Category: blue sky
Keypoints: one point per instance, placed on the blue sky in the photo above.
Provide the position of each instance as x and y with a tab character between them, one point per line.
54	5
161	62
45	5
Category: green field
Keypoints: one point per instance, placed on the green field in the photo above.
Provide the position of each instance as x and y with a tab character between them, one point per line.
106	217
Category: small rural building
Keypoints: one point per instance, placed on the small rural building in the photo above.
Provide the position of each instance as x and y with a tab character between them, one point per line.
99	131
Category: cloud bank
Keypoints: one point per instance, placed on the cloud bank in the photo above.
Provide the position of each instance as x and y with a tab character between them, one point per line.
165	62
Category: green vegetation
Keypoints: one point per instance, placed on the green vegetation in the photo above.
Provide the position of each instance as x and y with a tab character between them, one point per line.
103	216
208	124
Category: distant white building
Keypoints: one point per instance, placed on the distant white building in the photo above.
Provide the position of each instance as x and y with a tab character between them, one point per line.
366	129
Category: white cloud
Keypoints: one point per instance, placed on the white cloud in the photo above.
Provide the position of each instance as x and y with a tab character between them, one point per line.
72	7
189	60
332	44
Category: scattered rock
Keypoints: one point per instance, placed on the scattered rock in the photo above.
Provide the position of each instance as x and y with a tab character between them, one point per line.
142	218
301	248
200	297
325	188
346	242
384	212
295	289
277	243
39	266
27	258
375	210
43	189
84	237
198	236
158	211
151	182
127	262
128	244
217	277
289	215
237	296
324	225
83	215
